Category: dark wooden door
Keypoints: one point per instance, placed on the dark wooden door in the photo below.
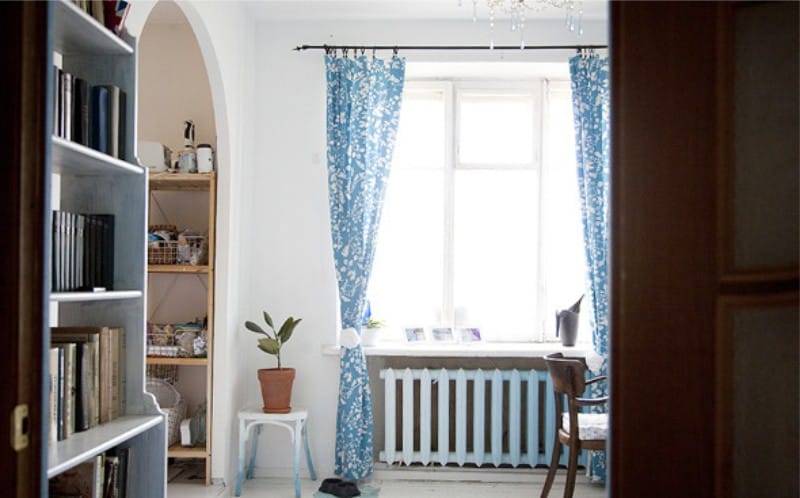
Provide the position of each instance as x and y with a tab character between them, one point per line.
704	320
24	57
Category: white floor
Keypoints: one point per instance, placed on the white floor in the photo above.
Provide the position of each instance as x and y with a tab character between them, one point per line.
393	488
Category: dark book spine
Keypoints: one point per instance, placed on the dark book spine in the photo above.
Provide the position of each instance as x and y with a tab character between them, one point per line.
121	125
83	390
70	264
112	120
61	403
107	250
61	103
54	268
80	111
98	109
80	245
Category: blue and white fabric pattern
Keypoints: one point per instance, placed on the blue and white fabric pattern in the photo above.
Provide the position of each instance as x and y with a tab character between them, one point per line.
590	105
364	96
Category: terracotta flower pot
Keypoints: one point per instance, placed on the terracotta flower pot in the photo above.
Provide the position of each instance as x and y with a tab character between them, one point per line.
276	389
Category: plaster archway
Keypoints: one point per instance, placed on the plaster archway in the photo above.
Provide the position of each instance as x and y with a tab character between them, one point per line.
136	21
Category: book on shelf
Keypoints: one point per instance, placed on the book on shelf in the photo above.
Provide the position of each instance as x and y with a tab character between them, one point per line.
80	111
98	125
97	11
66	103
70	381
87	373
111	485
115	121
60	430
57	96
116	11
53	398
83	251
100	395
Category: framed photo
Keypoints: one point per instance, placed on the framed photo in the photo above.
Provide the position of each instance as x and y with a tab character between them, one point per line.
414	334
469	334
442	334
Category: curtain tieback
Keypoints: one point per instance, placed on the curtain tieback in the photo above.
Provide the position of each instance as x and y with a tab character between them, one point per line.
350	338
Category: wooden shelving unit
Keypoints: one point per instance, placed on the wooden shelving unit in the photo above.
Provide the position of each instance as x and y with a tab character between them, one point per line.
83	180
194	182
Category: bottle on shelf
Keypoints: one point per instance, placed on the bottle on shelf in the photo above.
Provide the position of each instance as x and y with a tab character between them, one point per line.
187	157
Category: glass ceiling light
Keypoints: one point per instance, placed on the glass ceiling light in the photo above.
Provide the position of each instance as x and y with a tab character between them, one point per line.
518	10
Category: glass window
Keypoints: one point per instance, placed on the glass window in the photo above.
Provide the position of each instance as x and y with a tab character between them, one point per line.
485	238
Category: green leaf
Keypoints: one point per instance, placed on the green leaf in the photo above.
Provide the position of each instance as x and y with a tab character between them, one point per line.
268	319
269	345
253	327
287	328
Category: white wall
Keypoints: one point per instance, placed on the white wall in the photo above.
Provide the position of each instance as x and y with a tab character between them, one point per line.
173	86
225	32
286	260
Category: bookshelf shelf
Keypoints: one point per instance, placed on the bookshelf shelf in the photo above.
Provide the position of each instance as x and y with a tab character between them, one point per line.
178	269
78	33
72	158
75	297
81	446
178	451
161	360
182	181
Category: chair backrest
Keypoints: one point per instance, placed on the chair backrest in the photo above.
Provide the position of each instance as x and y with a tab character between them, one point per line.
569	376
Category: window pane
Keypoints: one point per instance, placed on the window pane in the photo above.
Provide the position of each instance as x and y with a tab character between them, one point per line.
406	284
421	132
495	129
495	252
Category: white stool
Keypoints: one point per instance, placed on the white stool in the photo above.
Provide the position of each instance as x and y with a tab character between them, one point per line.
295	422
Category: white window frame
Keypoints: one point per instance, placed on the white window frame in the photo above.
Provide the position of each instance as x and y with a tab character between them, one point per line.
453	89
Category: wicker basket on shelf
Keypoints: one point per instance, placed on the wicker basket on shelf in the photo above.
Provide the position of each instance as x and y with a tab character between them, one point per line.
164	250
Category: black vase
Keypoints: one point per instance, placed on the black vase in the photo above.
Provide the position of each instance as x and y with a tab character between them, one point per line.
567	327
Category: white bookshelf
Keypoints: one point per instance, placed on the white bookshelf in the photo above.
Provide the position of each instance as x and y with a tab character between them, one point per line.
84	180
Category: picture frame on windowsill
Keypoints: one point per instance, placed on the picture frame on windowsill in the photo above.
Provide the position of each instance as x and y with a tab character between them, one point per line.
442	335
469	335
414	334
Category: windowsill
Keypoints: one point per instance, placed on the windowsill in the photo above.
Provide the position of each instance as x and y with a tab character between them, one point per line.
483	350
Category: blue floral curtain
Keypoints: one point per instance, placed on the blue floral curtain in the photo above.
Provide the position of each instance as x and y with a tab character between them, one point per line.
590	105
364	97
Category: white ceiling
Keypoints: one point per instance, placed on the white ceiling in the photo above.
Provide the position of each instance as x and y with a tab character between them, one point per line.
325	10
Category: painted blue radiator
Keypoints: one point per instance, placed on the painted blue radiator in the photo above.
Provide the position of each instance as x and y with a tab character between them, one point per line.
489	430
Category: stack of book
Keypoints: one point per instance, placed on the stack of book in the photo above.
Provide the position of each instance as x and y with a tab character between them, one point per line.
102	476
109	13
90	115
82	251
87	378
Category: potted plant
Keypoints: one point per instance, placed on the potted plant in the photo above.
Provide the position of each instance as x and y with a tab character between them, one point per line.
370	331
276	383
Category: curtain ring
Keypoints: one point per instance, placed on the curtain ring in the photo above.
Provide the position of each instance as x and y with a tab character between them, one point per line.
373	53
363	50
395	51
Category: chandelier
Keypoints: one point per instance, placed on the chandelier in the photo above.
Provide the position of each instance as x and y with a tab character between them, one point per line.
518	11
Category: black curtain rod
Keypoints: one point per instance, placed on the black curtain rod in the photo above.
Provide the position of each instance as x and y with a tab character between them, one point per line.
447	47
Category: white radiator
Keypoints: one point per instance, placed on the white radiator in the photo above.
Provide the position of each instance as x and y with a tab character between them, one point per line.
514	424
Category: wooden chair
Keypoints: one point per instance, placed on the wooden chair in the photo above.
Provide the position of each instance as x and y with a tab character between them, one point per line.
569	379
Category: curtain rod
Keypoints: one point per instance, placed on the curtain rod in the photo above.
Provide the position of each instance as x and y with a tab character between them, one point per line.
447	47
